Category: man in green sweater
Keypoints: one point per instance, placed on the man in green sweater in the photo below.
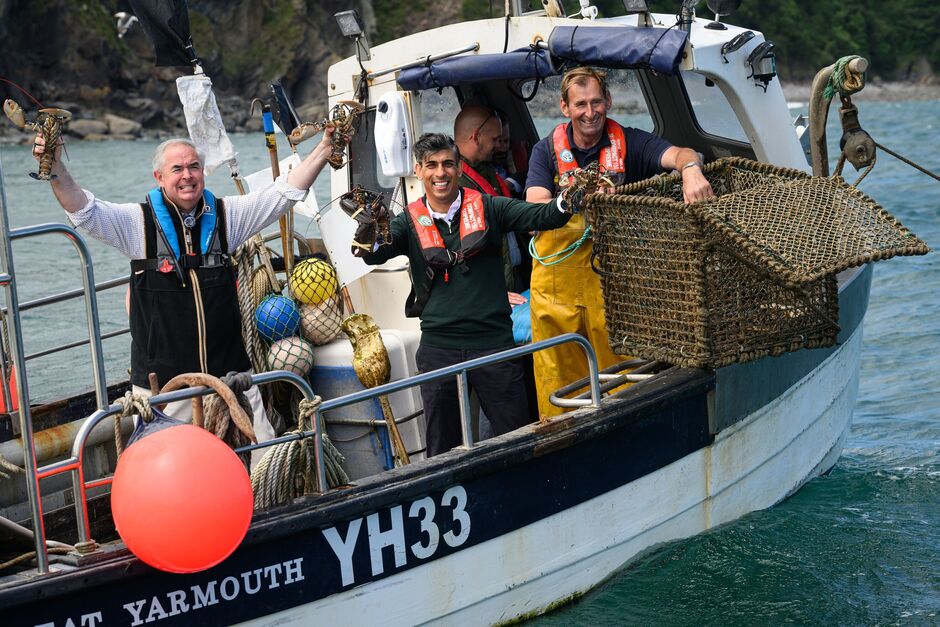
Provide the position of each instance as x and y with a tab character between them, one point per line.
453	238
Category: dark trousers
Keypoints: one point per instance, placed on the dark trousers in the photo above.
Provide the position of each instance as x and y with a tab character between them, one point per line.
500	387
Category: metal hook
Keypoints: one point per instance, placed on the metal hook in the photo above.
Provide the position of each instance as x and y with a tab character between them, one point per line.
260	102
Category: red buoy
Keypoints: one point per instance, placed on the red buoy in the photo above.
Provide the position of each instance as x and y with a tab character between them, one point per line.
181	499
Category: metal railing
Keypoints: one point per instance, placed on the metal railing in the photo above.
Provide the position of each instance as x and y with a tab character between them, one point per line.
59	298
463	389
75	463
7	279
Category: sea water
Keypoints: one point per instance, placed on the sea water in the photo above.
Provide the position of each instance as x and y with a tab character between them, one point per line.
860	546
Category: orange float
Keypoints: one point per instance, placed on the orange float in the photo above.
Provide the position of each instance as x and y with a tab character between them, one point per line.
181	499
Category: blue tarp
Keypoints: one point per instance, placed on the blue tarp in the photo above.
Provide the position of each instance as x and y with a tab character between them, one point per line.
659	49
525	63
626	47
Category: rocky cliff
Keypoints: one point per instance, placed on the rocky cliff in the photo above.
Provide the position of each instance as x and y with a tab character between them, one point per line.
67	53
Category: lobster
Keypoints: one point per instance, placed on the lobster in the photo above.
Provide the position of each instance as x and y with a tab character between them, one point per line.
368	209
580	182
341	118
50	122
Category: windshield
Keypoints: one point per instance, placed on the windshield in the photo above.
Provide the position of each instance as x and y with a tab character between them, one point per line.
711	109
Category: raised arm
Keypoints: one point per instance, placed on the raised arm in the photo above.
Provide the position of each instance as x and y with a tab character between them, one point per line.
303	176
66	190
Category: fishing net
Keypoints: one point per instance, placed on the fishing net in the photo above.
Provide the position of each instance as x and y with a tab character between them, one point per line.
320	323
747	274
292	354
313	281
277	317
314	286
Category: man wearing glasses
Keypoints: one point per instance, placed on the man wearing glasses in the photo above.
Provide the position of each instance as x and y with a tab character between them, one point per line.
478	132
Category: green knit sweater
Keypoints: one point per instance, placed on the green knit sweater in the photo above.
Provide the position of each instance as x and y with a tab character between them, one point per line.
470	310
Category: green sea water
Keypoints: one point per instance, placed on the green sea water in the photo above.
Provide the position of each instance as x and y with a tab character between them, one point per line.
860	546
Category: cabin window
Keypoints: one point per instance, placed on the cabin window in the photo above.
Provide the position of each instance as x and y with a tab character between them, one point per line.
439	110
364	167
711	109
628	108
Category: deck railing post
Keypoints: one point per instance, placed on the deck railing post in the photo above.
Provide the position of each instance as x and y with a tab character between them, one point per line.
81	502
318	448
26	420
463	396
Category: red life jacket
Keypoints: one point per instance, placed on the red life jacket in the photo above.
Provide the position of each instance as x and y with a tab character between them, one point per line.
473	231
612	158
485	185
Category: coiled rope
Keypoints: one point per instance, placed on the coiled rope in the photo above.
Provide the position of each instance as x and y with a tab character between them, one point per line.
254	283
844	81
131	405
218	416
288	469
247	303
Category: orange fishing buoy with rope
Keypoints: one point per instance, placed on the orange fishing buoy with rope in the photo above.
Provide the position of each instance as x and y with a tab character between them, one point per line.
181	499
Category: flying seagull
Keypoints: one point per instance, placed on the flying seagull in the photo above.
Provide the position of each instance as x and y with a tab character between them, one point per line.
124	21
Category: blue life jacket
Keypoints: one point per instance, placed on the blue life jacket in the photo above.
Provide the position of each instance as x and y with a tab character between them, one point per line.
184	314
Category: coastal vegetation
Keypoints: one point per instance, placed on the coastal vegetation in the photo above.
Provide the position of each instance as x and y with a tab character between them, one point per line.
68	53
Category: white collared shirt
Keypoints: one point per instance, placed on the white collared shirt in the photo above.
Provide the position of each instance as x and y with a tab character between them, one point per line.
451	212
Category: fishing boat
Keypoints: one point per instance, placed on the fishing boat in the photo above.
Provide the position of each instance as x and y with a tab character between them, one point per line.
498	529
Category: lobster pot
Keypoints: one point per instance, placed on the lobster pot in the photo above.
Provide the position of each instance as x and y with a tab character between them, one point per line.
292	354
320	323
745	275
313	281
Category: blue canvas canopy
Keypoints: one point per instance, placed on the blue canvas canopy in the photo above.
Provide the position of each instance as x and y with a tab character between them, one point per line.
658	49
525	63
625	47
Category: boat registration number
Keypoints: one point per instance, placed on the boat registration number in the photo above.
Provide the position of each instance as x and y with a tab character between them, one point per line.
447	521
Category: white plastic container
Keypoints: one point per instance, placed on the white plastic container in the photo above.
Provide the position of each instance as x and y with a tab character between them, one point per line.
366	447
393	136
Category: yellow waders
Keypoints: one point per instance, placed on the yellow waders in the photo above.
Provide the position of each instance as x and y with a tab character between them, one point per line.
566	298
